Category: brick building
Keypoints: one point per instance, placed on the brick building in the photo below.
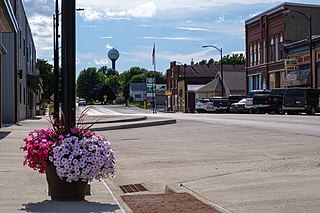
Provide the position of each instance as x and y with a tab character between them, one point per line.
181	78
266	35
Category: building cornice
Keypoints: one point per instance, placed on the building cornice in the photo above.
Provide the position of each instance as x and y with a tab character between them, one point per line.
9	14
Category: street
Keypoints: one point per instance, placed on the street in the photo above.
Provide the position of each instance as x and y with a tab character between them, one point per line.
242	163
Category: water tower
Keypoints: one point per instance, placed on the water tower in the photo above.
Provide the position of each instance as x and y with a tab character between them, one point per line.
113	55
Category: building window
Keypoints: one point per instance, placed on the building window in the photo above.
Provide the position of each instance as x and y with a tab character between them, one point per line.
259	54
272	50
251	60
277	49
281	48
277	80
20	92
254	55
24	95
264	52
137	96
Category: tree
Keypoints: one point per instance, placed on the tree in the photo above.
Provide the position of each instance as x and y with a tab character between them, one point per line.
125	79
203	62
233	59
87	80
211	61
100	91
46	74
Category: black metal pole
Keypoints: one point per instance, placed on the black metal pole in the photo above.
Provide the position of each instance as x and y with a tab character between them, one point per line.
56	63
310	33
69	62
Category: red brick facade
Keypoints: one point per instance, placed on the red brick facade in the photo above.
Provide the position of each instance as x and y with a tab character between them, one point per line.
266	35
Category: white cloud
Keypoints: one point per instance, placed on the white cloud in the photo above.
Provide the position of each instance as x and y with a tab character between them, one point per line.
103	61
109	46
194	29
170	38
41	27
106	37
147	10
114	11
221	18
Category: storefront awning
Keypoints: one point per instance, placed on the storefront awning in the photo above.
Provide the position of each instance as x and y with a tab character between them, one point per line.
297	78
34	82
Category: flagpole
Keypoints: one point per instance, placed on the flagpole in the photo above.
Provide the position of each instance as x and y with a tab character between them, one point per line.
154	82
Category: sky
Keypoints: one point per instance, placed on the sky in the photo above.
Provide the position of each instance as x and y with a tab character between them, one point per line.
178	28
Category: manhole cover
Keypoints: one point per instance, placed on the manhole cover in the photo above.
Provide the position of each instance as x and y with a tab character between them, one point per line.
131	188
175	202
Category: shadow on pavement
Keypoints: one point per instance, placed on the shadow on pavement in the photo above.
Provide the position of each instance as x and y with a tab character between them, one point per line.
50	206
4	134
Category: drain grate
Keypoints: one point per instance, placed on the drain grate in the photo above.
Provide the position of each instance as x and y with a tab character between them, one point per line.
131	188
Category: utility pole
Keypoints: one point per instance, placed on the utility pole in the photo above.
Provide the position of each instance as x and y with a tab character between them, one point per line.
69	62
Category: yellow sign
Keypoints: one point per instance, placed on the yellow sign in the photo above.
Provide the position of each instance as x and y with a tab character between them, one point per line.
105	97
168	93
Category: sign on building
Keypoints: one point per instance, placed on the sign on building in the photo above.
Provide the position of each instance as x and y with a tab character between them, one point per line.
290	64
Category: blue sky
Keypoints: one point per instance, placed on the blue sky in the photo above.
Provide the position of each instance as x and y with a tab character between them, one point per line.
178	28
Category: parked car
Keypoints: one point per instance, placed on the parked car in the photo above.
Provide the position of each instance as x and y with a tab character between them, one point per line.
297	100
82	102
276	100
201	105
218	105
261	102
249	99
239	107
234	99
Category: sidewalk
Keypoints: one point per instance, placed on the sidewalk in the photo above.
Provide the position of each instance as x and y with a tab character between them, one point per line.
25	190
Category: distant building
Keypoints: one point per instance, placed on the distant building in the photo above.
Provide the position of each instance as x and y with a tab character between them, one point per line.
266	35
20	83
184	80
138	92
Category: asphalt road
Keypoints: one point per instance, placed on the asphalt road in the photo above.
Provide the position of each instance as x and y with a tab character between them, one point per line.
242	163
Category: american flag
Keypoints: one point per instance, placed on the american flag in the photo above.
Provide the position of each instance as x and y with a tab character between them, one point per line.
154	54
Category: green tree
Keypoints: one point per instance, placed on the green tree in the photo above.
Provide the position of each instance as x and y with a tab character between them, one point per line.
125	79
87	80
203	62
234	59
46	74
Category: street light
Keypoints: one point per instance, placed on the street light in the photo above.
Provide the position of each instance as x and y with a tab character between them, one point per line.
56	60
310	35
221	66
184	84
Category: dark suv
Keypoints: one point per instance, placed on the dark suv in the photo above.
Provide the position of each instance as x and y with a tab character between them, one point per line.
297	100
276	100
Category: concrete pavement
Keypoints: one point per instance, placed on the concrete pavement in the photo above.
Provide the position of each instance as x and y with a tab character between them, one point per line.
25	190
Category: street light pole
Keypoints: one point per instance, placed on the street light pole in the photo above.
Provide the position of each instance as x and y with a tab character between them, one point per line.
69	62
221	66
56	61
310	41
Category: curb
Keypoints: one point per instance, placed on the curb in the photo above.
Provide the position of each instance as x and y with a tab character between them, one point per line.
175	188
135	125
113	121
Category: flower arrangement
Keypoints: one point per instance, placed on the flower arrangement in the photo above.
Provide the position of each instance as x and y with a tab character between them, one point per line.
77	154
